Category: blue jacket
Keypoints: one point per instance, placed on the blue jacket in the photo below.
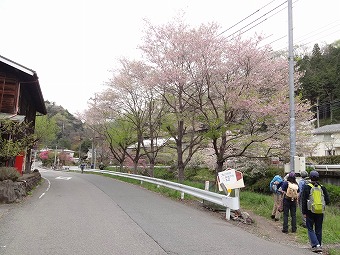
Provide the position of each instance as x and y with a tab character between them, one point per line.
302	183
277	178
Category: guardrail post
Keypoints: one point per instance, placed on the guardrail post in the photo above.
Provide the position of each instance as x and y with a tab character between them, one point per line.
182	195
227	211
206	187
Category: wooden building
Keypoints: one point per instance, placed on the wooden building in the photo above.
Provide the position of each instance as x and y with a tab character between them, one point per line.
21	99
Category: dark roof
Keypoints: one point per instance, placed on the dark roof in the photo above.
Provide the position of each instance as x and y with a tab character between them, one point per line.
28	77
328	129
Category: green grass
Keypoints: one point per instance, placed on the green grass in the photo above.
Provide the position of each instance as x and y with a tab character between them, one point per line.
334	252
262	205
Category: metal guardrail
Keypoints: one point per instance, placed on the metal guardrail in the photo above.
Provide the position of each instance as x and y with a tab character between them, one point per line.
231	203
327	167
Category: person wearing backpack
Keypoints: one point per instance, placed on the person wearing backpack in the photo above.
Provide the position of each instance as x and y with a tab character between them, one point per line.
314	199
302	183
290	190
274	187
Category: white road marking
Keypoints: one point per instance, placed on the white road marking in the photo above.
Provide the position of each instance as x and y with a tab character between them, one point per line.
63	178
48	187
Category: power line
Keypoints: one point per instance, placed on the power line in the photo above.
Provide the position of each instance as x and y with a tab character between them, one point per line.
254	24
319	29
245	18
258	19
310	41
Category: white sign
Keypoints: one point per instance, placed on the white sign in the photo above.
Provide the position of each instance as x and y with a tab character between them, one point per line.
231	179
63	178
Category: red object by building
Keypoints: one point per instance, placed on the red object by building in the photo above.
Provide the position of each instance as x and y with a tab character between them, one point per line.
19	162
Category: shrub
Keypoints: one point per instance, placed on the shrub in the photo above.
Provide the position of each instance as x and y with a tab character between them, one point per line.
334	194
9	173
258	179
164	173
202	175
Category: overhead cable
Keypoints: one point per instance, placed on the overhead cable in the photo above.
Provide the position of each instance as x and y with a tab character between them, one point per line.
245	18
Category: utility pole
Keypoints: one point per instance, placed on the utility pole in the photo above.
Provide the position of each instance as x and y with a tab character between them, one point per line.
92	153
55	157
317	112
291	86
79	149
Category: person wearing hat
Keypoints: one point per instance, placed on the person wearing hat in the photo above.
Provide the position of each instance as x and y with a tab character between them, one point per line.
302	183
313	220
290	190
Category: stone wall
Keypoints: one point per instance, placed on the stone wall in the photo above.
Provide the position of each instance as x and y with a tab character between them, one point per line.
14	191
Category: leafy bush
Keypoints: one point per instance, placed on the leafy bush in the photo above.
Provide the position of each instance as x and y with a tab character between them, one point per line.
9	173
334	194
199	174
164	173
203	175
257	178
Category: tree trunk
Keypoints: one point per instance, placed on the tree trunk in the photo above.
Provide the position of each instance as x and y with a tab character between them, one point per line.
135	167
152	168
180	167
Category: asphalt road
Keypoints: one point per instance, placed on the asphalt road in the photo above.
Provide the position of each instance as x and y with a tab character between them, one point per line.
74	213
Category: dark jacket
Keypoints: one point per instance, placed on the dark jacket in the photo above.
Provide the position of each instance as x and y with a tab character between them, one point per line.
305	196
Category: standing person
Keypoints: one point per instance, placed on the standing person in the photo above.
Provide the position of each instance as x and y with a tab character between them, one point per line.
290	190
302	183
314	198
274	187
82	166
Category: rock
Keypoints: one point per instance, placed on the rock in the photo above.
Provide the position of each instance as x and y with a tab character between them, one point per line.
243	217
7	193
14	191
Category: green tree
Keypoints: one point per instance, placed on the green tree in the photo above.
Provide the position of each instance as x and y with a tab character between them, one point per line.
46	130
15	138
120	134
320	83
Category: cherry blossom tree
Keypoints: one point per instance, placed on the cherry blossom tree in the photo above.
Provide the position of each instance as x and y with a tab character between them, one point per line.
179	55
230	91
138	103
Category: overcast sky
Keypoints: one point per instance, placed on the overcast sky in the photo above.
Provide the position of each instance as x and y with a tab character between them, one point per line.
73	44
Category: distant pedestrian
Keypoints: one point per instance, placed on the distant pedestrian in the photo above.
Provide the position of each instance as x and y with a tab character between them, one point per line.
314	199
274	187
82	166
290	189
304	179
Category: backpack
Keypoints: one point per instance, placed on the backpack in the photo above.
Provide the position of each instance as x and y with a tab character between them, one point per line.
292	190
316	202
274	187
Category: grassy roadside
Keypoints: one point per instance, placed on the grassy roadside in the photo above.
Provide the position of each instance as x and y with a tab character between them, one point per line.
261	205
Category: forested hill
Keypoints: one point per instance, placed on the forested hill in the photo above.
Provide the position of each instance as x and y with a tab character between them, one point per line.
69	128
320	83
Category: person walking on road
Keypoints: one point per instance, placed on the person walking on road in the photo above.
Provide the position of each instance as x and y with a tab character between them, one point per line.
82	166
314	198
302	183
290	190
